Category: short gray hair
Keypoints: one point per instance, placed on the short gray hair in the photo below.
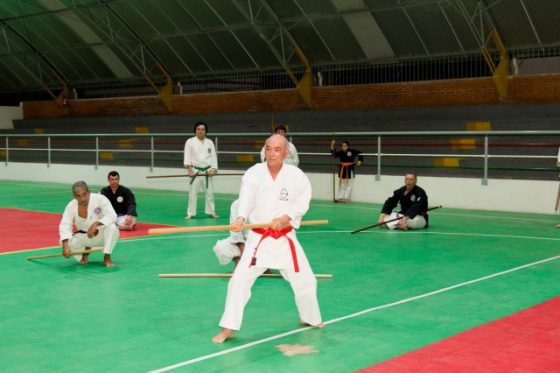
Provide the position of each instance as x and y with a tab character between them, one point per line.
275	136
79	185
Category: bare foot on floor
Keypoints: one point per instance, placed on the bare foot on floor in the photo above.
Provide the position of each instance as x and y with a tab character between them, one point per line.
318	326
85	259
108	262
223	336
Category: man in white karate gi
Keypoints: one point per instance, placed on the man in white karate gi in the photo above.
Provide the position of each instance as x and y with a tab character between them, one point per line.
94	217
200	161
292	157
278	193
229	249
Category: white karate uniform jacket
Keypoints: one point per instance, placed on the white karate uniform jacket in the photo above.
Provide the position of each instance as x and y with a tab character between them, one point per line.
200	153
262	199
99	209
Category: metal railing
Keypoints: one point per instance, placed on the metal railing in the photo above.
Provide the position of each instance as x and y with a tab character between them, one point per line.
387	152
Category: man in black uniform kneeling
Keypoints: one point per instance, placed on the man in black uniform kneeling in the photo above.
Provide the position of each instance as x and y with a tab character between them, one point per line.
123	202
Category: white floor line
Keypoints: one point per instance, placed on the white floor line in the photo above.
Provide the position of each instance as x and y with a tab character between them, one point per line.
438	233
32	184
356	314
33	193
375	211
552	217
488	235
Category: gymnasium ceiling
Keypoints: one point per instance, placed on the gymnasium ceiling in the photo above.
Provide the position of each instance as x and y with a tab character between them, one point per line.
46	43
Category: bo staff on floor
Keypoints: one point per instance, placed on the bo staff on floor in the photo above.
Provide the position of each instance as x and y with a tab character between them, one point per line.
388	221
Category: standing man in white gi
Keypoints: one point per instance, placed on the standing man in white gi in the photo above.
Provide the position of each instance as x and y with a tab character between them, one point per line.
292	157
200	161
278	193
95	219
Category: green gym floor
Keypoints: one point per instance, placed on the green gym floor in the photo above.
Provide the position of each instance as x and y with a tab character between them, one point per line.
391	292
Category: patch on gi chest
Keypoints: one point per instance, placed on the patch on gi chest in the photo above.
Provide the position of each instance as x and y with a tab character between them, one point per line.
120	199
97	212
283	194
349	154
209	150
413	198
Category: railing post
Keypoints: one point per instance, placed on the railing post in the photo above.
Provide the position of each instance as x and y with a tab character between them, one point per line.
152	154
485	177
216	146
48	151
378	176
96	152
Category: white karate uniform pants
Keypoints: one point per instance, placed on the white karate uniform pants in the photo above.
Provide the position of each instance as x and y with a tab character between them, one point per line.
418	222
106	238
121	222
304	286
199	184
345	189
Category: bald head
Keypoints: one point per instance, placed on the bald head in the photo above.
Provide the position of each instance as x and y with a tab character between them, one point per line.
276	150
278	140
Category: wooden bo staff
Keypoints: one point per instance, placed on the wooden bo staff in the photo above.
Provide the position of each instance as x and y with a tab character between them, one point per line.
227	275
60	254
199	175
389	221
214	228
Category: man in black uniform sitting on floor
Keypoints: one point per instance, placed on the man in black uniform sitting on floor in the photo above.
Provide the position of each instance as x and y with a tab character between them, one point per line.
414	206
123	202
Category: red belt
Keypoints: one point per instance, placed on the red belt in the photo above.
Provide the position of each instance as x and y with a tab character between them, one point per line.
269	232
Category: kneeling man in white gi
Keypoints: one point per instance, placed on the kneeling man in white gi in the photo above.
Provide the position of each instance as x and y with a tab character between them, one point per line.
230	249
278	193
94	217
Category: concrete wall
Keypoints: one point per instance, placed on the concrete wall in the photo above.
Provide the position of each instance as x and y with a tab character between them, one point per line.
8	114
535	196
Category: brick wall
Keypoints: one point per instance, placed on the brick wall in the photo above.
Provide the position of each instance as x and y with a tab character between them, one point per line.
481	91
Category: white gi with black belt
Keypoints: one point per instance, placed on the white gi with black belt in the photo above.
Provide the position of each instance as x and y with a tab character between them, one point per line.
99	209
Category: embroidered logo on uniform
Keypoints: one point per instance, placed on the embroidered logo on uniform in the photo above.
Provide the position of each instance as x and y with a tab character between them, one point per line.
284	194
97	211
349	154
209	150
120	199
413	198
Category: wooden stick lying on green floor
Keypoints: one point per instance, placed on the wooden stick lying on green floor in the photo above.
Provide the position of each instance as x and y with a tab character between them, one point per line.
60	254
213	275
